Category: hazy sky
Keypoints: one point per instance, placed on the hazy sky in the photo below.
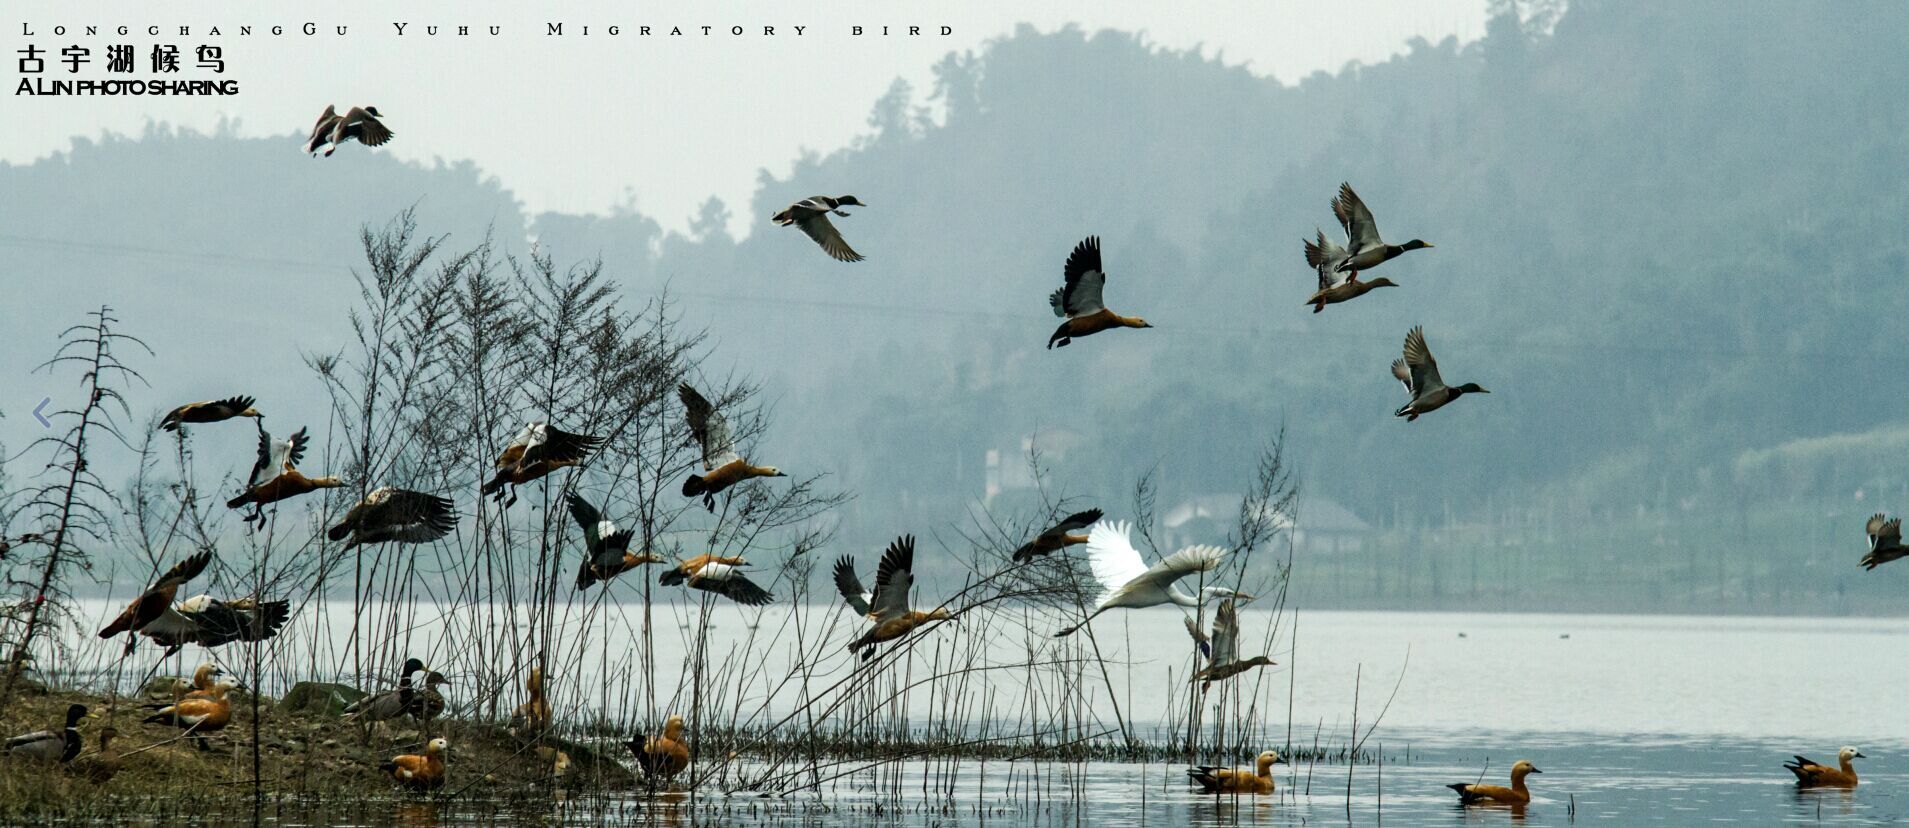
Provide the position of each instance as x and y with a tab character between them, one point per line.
581	124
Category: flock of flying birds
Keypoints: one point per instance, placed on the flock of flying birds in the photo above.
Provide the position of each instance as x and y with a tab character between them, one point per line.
395	515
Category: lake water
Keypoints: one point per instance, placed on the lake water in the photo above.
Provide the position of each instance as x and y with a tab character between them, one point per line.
1635	720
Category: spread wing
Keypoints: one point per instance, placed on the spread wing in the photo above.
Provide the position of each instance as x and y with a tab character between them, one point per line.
1111	556
1404	376
1193	629
366	127
1226	634
1075	522
404	515
729	582
1181	564
850	586
587	517
1418	359
263	468
1324	255
710	428
185	570
894	578
1081	293
1361	231
172	628
1884	532
323	126
549	443
823	231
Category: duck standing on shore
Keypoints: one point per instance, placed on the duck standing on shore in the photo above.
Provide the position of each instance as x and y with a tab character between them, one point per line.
199	716
52	745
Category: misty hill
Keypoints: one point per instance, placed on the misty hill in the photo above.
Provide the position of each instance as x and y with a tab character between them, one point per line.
1668	240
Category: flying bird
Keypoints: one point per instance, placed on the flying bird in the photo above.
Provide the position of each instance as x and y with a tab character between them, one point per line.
812	216
1223	648
1325	256
1366	249
157	599
210	622
1419	372
1885	541
888	605
1812	775
722	576
276	477
361	124
210	411
1214	779
722	466
1057	537
1079	298
537	450
1128	583
1517	794
608	548
397	515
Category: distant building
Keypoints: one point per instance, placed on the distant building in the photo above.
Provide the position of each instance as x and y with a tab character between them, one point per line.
1324	526
1008	470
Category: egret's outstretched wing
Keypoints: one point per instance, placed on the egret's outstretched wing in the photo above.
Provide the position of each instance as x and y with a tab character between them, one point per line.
1181	564
1111	556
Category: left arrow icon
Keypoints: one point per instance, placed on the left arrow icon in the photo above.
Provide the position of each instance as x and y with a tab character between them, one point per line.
37	415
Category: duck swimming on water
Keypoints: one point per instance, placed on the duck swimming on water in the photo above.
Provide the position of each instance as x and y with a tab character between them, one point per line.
1812	775
1517	794
1214	779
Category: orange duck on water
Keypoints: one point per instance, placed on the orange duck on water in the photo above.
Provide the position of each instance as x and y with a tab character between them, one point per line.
888	605
662	757
537	450
419	772
1812	775
722	466
1517	794
1213	779
1079	298
275	476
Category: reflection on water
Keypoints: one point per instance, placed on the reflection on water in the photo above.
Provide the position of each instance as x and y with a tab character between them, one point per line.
1592	780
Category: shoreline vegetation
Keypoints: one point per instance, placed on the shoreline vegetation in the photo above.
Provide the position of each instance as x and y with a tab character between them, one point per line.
452	350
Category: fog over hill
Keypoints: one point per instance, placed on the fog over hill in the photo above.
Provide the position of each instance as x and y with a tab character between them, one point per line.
1669	240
